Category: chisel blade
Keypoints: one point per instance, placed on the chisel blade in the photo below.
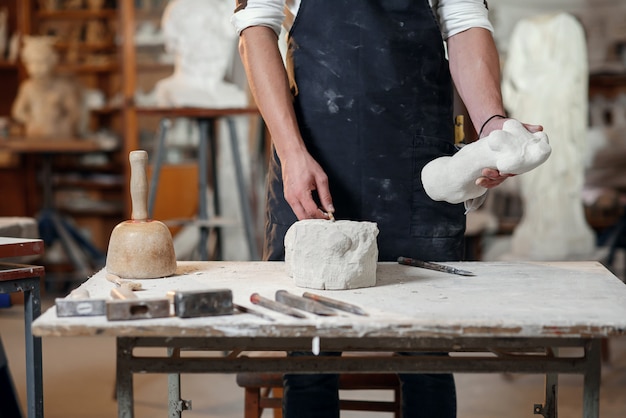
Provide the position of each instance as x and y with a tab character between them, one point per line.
303	304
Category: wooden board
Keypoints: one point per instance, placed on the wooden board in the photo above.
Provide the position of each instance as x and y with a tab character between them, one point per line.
18	247
504	299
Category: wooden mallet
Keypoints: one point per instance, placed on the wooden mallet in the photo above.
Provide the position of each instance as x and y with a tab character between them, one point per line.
140	248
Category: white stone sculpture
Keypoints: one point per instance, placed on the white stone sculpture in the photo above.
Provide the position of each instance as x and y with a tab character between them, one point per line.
545	81
199	33
512	150
322	254
46	104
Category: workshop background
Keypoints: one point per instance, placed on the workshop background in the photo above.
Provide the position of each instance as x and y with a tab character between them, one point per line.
72	190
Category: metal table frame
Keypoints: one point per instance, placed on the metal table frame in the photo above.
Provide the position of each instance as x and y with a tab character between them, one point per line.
207	119
26	279
522	355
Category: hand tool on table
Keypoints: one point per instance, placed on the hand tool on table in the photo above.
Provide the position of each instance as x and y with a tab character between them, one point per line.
275	306
433	266
347	307
140	248
308	305
78	303
113	278
247	310
197	303
126	305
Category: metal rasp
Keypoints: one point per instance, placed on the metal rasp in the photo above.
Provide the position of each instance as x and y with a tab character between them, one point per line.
303	304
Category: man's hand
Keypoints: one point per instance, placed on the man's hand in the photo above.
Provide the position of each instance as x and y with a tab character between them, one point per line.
301	176
492	178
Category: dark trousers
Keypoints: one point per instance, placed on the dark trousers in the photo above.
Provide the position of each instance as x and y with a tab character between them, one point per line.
316	395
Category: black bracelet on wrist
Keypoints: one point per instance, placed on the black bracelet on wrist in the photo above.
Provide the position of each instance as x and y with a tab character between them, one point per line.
487	121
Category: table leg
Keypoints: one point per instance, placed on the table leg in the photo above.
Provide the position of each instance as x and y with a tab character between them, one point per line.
176	404
591	385
243	192
205	128
157	163
34	375
124	377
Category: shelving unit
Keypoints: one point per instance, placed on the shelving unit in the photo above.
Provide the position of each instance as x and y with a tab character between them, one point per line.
88	186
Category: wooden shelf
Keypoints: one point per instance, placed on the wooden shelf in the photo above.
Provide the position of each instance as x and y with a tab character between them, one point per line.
87	47
88	68
76	14
608	79
6	65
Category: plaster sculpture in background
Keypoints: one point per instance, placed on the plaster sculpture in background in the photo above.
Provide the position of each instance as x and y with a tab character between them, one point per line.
47	105
545	81
198	32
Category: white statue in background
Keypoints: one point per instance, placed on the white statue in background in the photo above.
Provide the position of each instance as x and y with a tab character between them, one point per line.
198	32
47	105
545	80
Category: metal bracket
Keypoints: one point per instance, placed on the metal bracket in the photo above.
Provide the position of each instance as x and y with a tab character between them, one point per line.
538	409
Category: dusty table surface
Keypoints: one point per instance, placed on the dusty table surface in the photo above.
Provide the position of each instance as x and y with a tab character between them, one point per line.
503	299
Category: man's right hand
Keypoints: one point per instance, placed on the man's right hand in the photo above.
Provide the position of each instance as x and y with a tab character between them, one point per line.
301	176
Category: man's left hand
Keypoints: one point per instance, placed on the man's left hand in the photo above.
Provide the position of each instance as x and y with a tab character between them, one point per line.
491	178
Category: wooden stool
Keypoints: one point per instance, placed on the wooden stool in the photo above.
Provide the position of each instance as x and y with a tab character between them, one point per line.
264	390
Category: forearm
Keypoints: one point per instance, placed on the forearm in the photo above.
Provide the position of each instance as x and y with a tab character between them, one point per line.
475	69
258	47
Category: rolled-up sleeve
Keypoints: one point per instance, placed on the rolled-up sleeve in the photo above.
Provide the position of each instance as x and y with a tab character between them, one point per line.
456	16
268	13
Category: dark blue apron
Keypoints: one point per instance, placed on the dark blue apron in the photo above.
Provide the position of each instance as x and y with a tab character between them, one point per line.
373	98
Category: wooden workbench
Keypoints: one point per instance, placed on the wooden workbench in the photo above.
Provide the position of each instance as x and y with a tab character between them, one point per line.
520	312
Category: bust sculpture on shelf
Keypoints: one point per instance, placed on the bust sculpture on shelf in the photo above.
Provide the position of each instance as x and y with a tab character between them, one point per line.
198	32
46	104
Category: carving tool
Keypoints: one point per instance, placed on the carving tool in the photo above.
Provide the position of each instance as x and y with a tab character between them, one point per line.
433	266
299	302
244	309
126	305
197	303
347	307
275	306
113	278
78	303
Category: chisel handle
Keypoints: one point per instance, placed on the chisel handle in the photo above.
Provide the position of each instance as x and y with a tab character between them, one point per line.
123	293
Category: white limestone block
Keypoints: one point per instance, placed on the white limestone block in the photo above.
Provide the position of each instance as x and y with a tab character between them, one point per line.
512	150
322	254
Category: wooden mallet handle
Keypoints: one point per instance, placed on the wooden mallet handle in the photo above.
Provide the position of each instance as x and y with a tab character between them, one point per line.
139	185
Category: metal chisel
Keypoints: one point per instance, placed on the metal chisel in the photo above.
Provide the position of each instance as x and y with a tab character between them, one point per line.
433	266
247	310
335	304
304	304
275	306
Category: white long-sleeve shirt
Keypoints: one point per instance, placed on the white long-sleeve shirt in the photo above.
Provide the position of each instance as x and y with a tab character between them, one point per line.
454	15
